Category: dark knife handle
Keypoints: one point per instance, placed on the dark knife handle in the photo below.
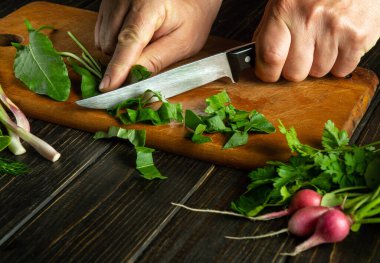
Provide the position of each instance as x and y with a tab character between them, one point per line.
241	58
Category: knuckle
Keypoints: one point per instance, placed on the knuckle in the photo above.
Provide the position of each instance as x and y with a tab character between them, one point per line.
272	56
155	63
128	33
293	76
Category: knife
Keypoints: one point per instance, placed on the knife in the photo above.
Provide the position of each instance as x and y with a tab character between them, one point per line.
181	79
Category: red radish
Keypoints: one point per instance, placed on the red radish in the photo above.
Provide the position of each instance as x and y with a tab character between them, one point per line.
301	199
302	223
333	226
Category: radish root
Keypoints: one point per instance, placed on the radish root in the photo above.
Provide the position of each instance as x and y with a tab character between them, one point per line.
270	234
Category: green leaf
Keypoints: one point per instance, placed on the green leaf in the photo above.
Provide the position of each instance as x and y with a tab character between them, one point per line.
215	124
332	138
144	157
40	68
138	73
12	167
4	141
258	123
372	174
136	137
253	201
89	84
238	138
198	137
294	144
192	120
170	112
331	200
145	165
216	102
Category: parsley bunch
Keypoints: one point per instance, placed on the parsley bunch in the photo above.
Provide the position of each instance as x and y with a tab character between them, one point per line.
337	165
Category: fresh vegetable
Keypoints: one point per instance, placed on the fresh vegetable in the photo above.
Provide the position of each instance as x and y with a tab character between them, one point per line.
135	110
222	116
12	167
40	67
17	131
332	226
302	199
88	68
144	160
337	165
302	223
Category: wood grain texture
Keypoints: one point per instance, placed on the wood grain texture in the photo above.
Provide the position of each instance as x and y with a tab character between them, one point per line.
306	105
109	213
21	195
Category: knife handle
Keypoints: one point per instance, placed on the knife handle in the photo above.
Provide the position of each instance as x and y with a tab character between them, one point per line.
241	58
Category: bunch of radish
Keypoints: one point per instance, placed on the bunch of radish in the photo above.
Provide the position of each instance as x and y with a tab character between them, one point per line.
308	219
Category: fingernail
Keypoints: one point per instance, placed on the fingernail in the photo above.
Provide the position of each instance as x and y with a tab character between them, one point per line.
105	83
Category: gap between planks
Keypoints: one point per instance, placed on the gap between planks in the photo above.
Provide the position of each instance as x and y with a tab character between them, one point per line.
170	216
50	198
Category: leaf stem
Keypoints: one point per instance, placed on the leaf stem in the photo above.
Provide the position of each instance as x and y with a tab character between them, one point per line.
84	50
85	58
374	220
73	56
349	189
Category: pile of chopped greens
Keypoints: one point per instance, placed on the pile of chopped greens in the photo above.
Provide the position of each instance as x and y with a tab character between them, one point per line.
135	110
221	116
337	165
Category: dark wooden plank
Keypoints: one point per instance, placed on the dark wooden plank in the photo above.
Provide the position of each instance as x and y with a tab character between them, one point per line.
195	237
21	195
109	213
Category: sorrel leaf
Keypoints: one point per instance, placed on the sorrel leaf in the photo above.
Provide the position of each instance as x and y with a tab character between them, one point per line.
40	68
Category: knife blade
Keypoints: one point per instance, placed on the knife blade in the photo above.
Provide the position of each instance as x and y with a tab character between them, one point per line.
181	79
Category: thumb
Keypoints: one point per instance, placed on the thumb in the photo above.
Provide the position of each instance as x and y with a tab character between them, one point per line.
136	33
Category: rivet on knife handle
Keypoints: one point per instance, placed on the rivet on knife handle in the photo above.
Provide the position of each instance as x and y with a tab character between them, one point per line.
241	58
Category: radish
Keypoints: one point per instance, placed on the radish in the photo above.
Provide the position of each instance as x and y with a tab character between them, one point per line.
333	226
302	223
301	199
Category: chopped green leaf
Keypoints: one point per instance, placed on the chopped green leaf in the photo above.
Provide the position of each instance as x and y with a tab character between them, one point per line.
145	165
225	118
144	159
89	84
138	73
238	138
198	137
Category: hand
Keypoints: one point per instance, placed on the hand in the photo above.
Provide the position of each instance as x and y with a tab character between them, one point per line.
152	33
297	38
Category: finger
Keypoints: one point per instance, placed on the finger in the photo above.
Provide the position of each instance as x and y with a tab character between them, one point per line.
110	26
97	29
300	57
165	51
325	55
134	36
272	46
346	61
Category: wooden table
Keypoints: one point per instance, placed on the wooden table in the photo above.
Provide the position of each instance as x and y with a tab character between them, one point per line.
92	205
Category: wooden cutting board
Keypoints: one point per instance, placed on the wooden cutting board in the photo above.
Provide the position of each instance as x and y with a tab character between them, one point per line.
306	105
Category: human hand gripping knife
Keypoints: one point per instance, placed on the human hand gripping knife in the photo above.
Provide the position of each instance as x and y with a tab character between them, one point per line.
181	79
